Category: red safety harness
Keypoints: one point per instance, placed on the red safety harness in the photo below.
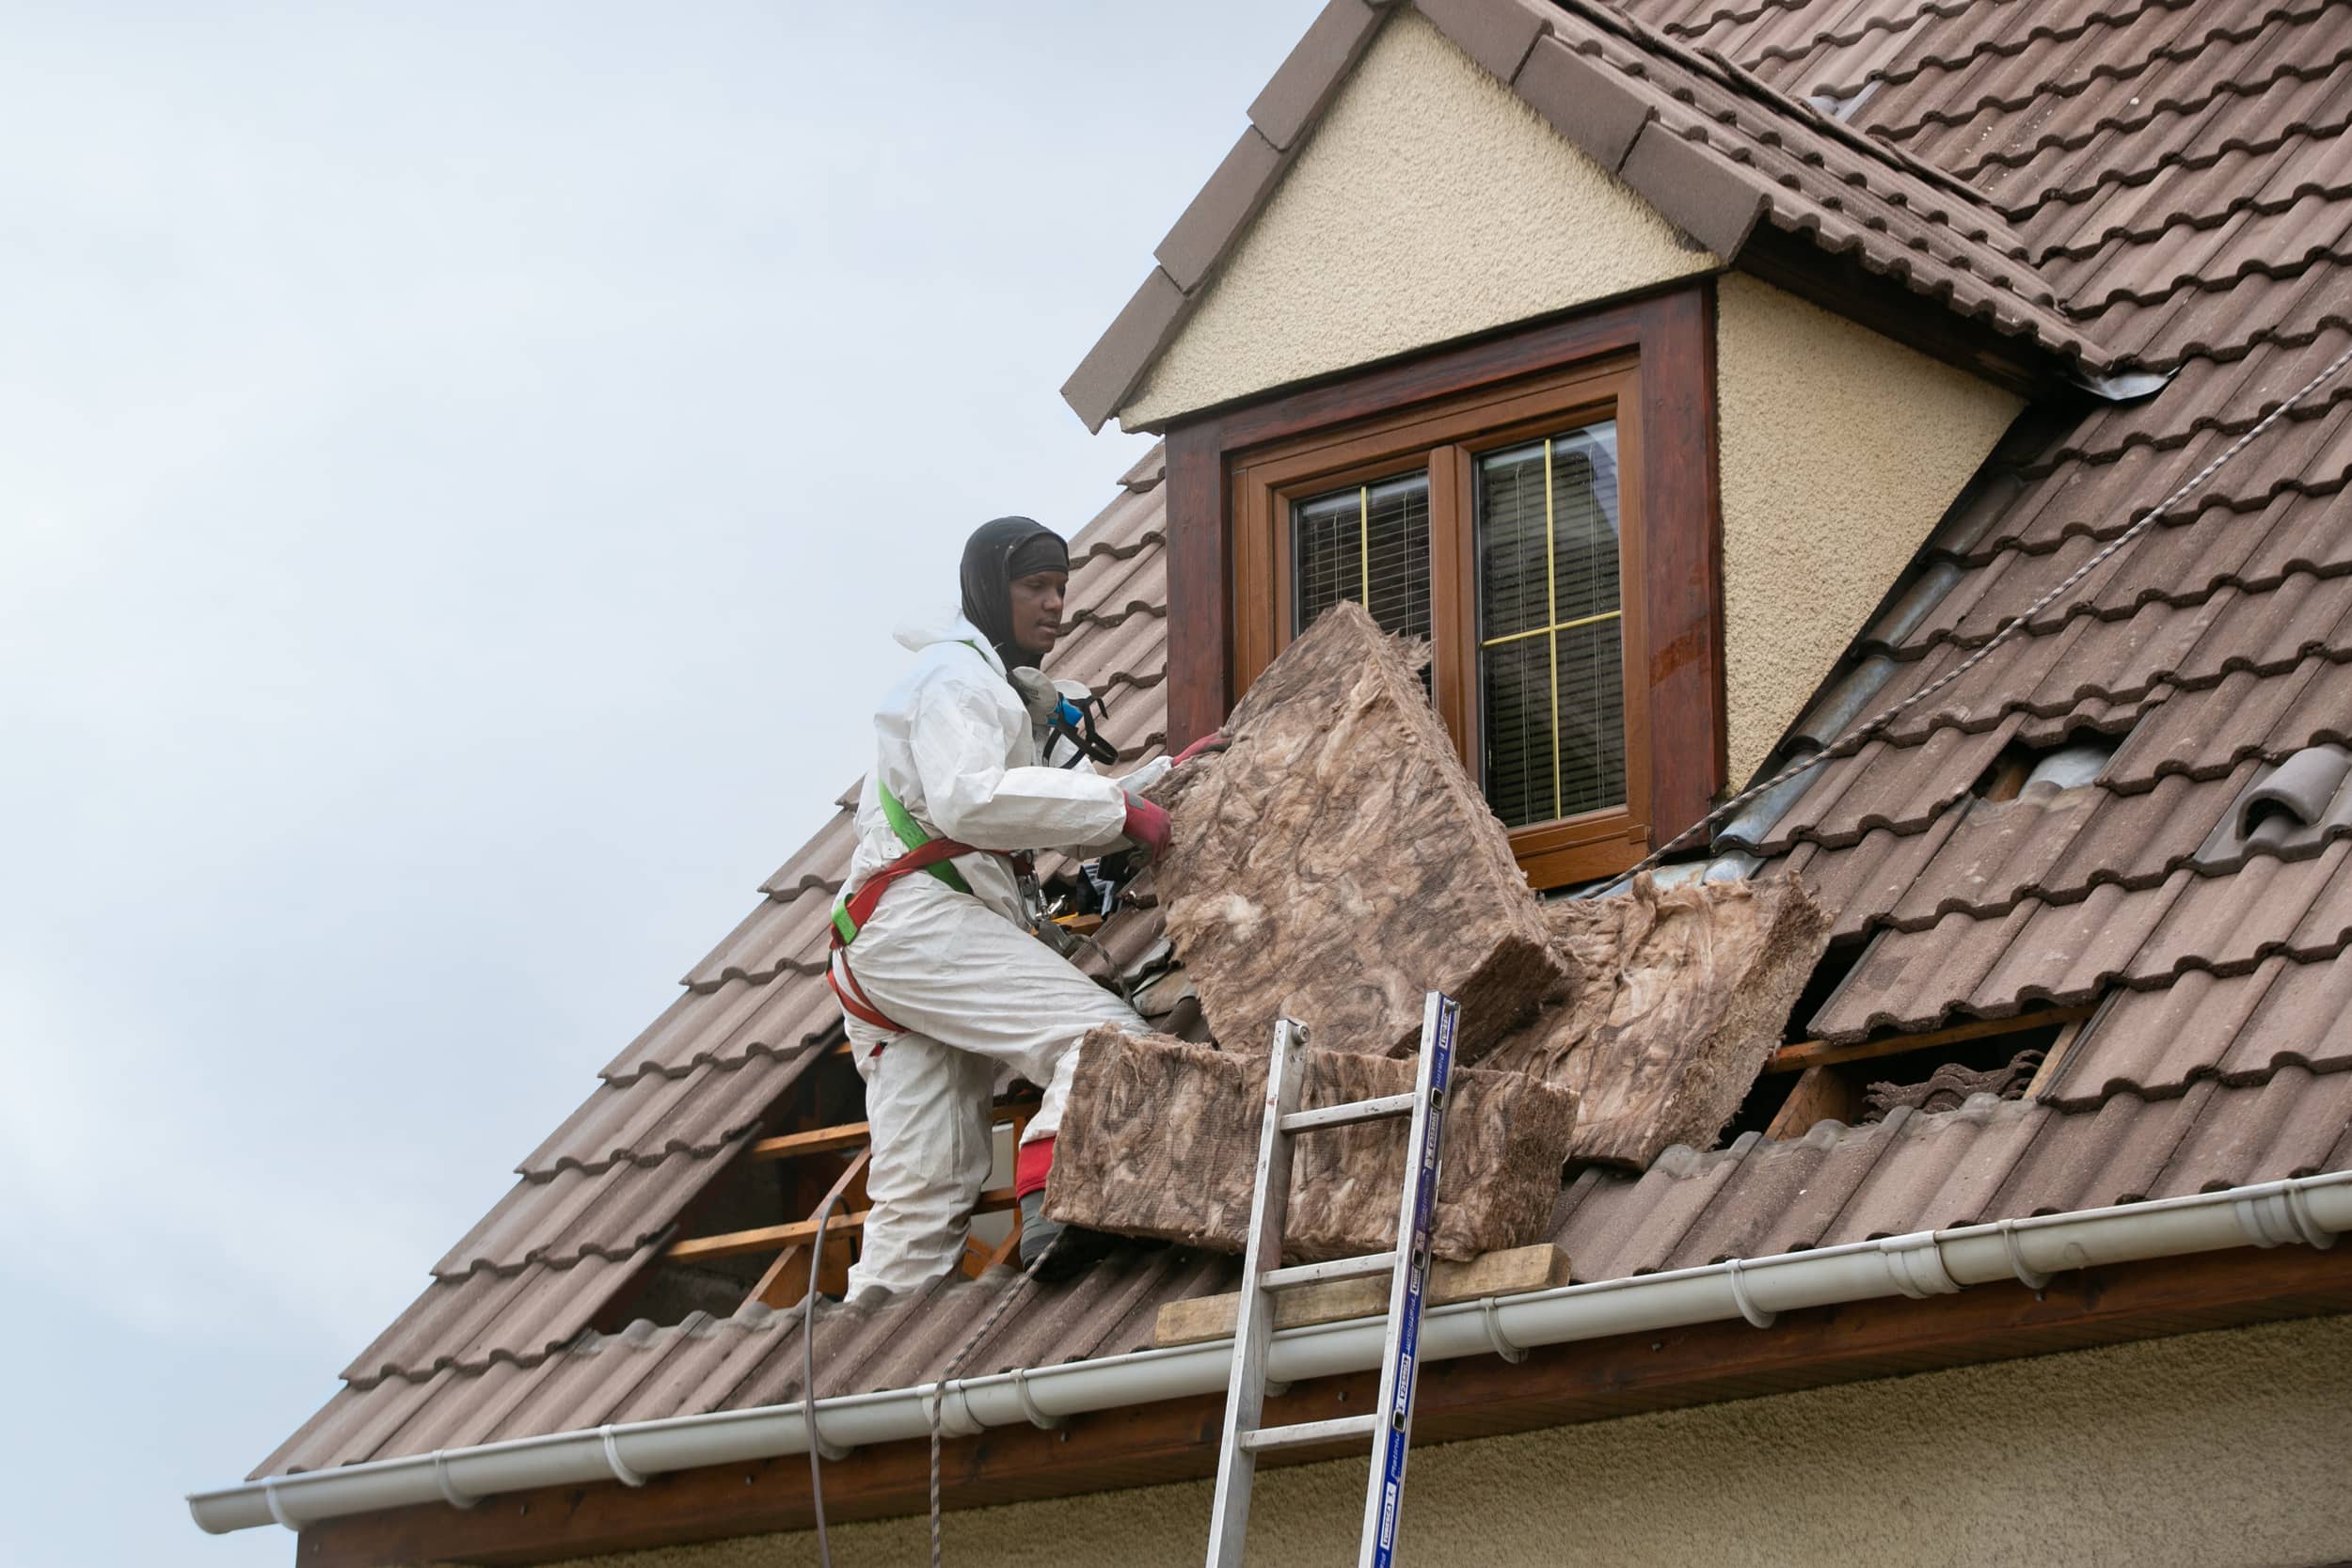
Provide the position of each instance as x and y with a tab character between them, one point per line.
851	910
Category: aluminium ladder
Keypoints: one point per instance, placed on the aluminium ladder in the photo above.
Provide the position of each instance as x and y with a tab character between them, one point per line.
1389	1423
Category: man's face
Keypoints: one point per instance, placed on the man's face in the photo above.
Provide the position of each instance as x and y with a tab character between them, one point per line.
1036	611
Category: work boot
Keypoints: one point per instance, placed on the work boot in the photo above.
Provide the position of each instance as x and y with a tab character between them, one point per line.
1068	1250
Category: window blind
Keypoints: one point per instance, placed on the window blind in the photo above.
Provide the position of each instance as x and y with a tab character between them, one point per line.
1551	656
1369	543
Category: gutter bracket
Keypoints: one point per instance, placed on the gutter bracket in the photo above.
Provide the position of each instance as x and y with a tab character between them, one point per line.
1746	1304
277	1509
828	1450
619	1466
2031	1278
1029	1403
1502	1343
2283	1215
965	1424
450	1494
1916	1266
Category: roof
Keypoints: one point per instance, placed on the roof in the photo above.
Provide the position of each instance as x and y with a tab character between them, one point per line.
2146	155
1731	158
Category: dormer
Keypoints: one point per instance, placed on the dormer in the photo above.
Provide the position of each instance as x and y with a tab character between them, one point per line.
1627	382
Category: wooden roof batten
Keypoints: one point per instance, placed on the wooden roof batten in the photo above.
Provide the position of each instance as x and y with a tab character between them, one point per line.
1731	172
849	1145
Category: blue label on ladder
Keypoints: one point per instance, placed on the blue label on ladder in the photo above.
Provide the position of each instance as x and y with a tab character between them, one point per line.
1396	1432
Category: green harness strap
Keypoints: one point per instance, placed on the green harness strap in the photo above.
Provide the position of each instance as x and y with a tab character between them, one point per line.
909	833
912	834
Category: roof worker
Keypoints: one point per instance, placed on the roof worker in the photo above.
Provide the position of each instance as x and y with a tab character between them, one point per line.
941	979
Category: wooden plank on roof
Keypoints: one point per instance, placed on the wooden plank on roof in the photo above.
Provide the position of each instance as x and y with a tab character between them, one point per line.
773	1238
1796	1058
853	1134
1492	1274
786	1280
2054	1060
1822	1094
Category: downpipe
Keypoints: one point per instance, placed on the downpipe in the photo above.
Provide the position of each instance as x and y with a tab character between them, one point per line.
2307	1211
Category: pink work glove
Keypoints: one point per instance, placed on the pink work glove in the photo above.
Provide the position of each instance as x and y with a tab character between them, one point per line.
1207	743
1147	827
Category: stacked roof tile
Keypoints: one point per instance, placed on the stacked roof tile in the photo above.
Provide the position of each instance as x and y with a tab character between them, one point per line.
2175	173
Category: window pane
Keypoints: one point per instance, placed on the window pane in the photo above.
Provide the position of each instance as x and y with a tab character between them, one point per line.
1550	651
1369	543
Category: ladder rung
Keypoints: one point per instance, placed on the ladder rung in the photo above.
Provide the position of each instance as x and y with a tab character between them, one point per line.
1338	1268
1349	1114
1307	1432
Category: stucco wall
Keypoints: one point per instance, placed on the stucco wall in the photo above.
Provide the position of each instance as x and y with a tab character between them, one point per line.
2210	1451
1430	204
1841	450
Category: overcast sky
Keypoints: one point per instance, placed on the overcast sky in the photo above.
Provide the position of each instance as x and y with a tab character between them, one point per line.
459	465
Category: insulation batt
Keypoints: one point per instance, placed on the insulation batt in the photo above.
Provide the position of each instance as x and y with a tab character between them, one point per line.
1162	1141
1685	994
1337	862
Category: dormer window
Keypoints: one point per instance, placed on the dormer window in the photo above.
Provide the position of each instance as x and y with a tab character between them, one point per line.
1543	535
1518	520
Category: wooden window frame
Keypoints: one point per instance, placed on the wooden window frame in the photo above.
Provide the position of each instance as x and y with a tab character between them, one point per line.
1446	437
1231	473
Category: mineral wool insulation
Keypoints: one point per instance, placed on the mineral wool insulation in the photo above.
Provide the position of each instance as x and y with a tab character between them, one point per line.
1334	866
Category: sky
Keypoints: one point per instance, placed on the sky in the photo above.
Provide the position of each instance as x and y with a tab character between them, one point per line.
459	468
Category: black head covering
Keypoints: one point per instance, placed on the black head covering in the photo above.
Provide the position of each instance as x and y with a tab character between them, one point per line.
996	553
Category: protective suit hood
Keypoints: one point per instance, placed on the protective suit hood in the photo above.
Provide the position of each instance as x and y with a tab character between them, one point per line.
916	636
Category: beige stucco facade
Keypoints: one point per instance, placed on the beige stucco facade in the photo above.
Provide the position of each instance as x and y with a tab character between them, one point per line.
1839	450
1430	204
2209	1450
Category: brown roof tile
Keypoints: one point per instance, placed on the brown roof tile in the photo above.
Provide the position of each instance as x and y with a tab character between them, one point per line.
469	1322
736	1019
2065	115
1311	72
1232	197
779	935
650	1118
2280	118
1112	366
611	1212
2240	1028
2068	954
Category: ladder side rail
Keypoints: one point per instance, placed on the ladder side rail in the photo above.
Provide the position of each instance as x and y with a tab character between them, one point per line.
1253	1323
1400	1369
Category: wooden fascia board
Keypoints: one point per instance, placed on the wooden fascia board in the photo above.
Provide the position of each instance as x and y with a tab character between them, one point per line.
1473	1397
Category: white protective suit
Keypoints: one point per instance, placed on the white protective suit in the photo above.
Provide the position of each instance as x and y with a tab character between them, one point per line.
961	973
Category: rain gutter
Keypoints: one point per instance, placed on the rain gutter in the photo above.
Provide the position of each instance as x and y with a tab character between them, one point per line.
2310	1210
